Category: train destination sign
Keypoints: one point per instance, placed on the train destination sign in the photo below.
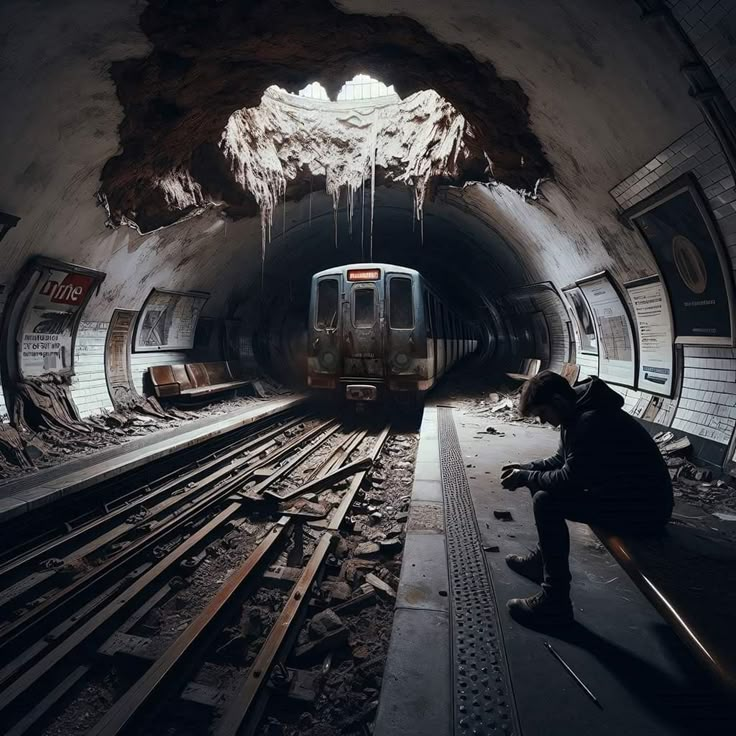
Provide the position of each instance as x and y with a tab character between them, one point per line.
366	274
654	326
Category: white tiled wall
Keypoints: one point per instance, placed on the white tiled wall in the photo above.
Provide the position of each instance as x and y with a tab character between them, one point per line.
588	364
710	372
711	26
89	385
708	401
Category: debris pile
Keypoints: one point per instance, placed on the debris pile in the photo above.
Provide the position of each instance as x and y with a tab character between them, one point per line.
332	679
693	483
46	427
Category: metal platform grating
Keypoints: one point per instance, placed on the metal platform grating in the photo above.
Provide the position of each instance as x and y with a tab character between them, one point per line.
483	700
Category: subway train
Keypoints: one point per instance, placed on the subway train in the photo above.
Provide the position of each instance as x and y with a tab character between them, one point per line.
379	331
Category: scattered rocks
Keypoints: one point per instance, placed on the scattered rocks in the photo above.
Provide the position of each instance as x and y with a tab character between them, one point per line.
323	623
367	549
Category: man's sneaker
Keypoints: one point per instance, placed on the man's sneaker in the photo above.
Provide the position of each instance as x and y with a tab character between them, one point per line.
530	566
541	609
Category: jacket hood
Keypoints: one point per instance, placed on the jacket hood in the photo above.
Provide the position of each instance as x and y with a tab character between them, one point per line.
595	394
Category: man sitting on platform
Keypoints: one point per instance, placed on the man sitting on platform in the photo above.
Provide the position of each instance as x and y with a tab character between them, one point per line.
607	472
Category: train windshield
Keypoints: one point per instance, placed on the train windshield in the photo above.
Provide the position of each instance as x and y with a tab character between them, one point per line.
401	307
363	307
327	304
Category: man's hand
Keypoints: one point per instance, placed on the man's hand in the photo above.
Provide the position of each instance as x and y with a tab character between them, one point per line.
512	478
510	466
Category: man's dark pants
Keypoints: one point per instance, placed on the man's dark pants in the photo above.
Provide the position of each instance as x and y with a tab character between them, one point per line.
553	508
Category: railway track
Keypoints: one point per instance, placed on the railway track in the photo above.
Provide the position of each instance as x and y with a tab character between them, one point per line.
89	594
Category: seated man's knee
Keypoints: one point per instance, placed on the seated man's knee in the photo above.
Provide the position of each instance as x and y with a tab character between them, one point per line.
542	501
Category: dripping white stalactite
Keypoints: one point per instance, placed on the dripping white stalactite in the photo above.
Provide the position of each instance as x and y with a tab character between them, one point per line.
416	142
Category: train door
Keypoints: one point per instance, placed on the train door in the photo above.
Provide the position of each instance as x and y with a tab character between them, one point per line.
363	320
403	348
326	323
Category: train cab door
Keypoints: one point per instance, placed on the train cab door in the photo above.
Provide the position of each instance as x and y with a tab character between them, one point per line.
325	333
363	320
403	347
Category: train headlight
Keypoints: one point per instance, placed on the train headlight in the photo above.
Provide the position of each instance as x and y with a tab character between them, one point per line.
401	360
328	360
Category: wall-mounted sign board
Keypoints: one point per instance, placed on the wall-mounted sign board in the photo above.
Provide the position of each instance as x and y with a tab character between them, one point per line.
588	339
654	327
678	227
616	346
55	294
117	358
168	320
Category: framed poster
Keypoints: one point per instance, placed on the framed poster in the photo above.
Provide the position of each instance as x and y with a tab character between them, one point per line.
616	346
55	295
654	326
118	372
168	320
679	229
583	320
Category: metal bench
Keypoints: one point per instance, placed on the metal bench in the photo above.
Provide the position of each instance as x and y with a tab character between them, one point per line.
195	380
666	570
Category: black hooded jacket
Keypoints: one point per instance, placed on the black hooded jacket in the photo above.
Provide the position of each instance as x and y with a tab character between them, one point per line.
607	452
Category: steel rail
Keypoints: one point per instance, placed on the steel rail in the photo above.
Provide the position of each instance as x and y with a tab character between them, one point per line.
125	710
337	518
240	704
37	675
28	625
318	484
182	478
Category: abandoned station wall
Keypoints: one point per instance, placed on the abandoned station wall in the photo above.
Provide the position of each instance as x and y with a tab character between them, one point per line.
623	98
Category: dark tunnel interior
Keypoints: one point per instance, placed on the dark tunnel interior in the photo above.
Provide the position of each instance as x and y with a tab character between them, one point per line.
367	367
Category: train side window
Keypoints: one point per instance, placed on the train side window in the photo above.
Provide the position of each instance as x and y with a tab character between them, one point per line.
327	304
364	314
428	313
400	303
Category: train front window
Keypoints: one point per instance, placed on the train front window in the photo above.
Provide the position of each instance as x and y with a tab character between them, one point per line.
363	307
327	304
400	304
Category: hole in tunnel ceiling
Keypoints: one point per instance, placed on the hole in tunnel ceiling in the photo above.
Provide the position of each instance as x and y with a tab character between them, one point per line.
368	135
360	87
208	61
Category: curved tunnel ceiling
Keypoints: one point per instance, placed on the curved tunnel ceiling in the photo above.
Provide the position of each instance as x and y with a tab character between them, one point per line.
125	93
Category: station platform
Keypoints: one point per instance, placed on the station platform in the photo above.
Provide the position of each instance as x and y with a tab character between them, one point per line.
457	662
44	487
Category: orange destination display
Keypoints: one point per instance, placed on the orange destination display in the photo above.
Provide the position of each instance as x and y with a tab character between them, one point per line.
364	274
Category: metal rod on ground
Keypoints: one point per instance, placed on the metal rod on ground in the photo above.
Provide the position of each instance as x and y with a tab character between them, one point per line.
319	483
554	653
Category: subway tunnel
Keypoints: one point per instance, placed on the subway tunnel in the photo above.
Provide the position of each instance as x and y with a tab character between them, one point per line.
174	173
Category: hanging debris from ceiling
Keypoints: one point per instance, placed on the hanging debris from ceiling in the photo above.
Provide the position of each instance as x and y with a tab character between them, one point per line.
416	141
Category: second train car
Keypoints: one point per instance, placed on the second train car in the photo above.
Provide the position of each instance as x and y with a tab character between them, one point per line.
377	330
